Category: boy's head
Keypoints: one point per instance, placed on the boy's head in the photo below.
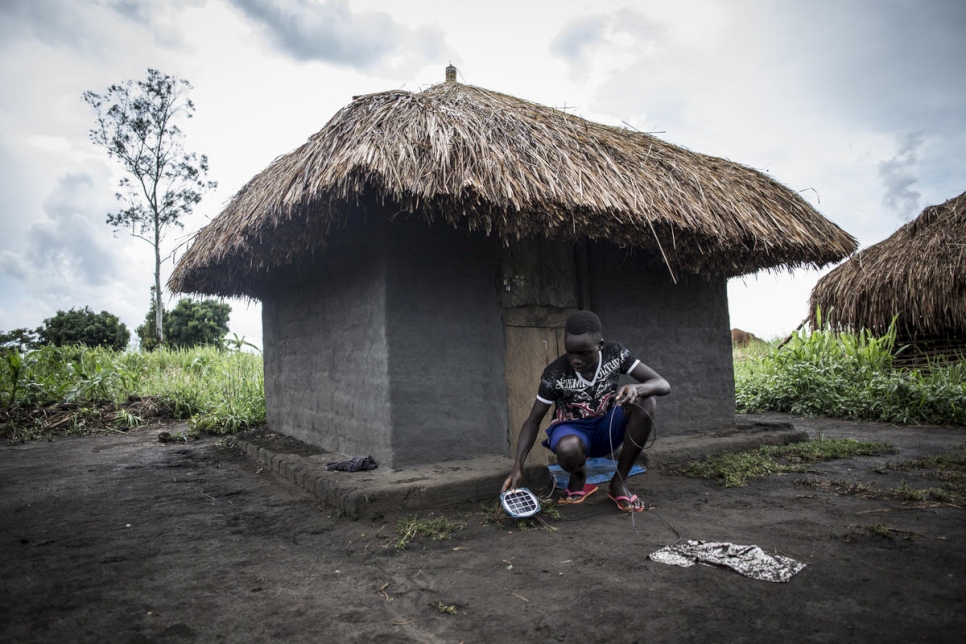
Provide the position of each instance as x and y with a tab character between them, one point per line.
583	322
583	339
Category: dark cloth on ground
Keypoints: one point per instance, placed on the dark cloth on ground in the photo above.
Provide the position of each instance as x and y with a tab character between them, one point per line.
353	465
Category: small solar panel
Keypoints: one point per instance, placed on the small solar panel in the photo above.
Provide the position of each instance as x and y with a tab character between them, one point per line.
520	503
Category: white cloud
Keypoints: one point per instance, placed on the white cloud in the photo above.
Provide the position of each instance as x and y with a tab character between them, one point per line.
13	268
46	143
816	93
67	258
93	27
53	22
575	42
900	175
334	32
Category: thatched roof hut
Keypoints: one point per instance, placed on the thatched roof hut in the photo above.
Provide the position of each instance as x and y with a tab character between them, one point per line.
484	161
919	274
417	258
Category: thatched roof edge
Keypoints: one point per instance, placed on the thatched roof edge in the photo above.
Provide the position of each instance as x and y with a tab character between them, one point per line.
917	273
484	161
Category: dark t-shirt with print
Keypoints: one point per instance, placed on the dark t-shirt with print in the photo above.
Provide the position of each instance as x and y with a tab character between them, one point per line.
576	398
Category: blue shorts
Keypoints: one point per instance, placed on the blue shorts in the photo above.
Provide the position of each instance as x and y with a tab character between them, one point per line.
592	431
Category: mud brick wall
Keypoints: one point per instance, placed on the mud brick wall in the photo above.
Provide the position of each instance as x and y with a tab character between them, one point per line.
680	330
390	345
446	344
326	355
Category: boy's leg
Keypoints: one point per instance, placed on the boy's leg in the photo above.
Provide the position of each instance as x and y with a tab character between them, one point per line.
637	430
572	457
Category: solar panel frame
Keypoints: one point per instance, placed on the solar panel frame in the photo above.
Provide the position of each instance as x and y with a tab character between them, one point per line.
520	503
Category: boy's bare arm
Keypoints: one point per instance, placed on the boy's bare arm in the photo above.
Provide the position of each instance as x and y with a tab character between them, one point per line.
528	434
651	384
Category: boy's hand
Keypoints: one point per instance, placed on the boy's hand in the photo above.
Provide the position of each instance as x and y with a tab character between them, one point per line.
512	482
627	395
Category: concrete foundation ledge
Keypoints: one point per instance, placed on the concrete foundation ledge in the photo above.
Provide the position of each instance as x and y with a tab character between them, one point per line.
382	491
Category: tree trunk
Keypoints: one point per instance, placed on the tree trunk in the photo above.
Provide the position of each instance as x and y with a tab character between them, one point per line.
158	308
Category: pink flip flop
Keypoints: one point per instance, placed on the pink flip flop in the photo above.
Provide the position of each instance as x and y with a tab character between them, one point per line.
573	498
626	499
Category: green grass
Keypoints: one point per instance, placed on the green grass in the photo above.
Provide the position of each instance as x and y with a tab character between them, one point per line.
877	532
437	529
939	479
494	514
847	375
736	469
753	350
840	487
449	609
947	469
217	391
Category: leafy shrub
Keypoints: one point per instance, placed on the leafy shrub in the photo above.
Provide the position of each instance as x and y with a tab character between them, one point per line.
21	339
849	375
84	327
68	374
191	323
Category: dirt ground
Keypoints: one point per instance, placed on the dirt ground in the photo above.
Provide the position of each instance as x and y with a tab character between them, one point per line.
121	539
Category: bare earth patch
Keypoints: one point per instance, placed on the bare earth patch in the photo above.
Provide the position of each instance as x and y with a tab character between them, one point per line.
121	538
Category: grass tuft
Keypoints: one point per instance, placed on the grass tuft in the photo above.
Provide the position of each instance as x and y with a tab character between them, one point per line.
437	529
449	609
736	469
494	514
877	532
947	468
840	487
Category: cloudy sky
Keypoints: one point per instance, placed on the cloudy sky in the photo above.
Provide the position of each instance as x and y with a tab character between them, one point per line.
859	105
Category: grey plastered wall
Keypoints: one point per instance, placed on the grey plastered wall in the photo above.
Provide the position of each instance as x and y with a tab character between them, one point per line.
446	344
681	330
326	355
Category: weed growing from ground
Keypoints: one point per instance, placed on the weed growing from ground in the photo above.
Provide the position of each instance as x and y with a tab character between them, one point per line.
126	420
736	469
948	469
840	487
945	465
879	531
449	609
494	514
437	529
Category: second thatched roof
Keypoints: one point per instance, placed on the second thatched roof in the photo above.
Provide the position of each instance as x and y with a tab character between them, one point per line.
919	274
481	160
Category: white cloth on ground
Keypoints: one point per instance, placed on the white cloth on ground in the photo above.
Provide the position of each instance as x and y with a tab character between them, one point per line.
750	561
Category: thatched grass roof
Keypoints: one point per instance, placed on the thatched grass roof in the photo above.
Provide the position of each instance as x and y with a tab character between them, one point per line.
918	273
484	161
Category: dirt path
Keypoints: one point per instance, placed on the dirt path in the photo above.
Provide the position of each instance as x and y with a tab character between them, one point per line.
122	539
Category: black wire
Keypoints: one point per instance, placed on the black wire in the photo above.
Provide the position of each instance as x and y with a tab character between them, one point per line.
665	521
645	446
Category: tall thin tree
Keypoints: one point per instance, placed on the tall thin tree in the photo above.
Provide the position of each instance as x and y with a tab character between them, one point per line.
137	126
